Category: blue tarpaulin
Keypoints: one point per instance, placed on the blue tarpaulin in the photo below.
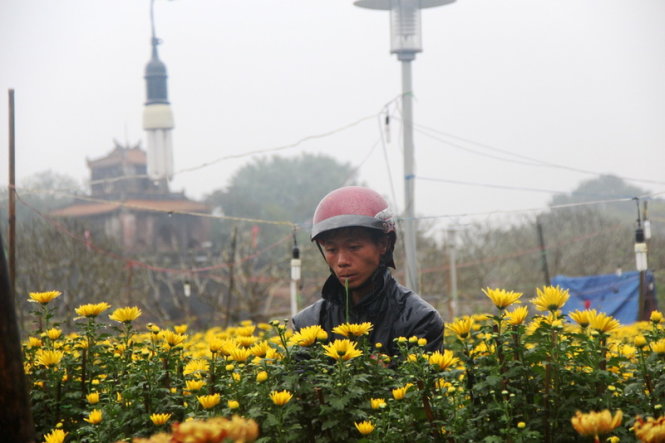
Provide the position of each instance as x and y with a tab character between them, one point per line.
614	294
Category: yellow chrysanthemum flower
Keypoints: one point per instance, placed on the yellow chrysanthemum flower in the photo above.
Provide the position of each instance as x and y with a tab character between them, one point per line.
180	329
443	360
126	315
173	339
49	357
582	318
262	376
35	342
659	346
308	335
603	322
656	317
400	393
550	298
593	424
159	419
628	351
194	385
483	349
502	298
260	349
55	436
92	310
92	398
280	398
246	329
236	429
240	354
233	404
443	384
196	367
236	376
353	329
54	333
377	403
517	316
209	401
221	346
246	340
342	350
44	297
639	341
461	326
650	430
364	427
95	417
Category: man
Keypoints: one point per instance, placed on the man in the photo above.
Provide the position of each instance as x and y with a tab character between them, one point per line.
355	232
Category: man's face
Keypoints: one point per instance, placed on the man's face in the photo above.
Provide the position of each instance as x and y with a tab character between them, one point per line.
353	255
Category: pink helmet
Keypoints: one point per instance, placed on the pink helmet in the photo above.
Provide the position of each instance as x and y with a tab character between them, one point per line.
355	206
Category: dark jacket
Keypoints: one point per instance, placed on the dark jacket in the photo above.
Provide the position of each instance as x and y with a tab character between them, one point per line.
395	311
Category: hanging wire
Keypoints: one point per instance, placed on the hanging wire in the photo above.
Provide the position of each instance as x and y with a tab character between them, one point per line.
385	157
526	160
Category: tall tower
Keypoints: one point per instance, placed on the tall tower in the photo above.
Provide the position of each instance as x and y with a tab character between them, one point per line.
157	115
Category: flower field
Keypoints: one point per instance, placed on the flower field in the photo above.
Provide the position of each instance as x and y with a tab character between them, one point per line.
523	373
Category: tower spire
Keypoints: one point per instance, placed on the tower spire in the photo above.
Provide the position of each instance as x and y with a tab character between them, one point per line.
157	115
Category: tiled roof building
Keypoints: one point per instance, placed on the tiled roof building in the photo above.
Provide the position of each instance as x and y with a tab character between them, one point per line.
141	214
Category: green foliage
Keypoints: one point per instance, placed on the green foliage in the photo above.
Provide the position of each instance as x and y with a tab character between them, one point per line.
502	381
43	191
282	188
279	189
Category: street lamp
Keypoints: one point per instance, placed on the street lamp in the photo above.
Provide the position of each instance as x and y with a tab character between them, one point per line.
406	41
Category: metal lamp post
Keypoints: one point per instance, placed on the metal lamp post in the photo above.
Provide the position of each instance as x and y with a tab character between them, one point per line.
406	41
295	276
641	265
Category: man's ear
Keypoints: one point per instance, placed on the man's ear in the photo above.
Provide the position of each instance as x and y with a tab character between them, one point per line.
383	244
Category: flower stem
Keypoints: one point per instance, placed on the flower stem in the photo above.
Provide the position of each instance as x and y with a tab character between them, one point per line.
346	296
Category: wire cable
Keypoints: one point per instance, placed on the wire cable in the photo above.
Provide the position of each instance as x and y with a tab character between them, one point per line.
488	185
523	252
530	210
529	161
246	154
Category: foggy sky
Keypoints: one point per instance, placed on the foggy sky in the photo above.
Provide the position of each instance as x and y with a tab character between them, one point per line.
579	83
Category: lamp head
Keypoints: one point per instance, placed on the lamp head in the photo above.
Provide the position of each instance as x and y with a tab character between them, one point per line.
387	4
405	35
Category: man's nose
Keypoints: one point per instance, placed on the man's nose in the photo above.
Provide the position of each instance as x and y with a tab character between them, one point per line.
343	259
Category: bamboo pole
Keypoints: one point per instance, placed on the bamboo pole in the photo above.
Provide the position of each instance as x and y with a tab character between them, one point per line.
12	196
15	415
